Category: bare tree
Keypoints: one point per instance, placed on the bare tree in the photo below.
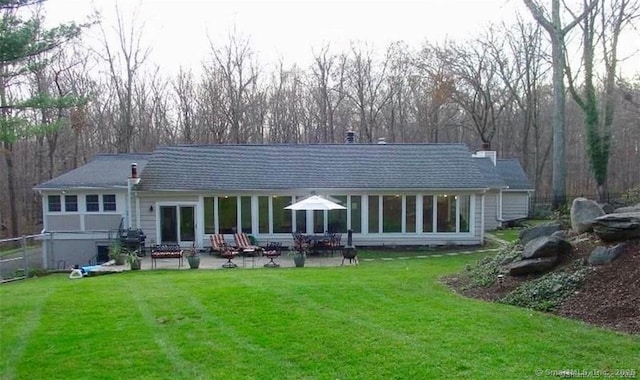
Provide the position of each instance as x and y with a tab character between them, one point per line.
125	62
366	90
521	61
553	24
598	124
239	74
327	86
479	89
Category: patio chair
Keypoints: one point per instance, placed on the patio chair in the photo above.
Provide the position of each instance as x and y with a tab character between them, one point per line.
272	250
218	244
244	245
335	242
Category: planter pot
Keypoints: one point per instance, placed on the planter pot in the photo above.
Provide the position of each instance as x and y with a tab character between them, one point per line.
135	264
119	260
194	262
299	260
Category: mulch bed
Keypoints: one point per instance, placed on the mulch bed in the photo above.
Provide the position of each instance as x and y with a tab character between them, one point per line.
609	296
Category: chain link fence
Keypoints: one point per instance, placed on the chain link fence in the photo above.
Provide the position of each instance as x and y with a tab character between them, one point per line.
22	257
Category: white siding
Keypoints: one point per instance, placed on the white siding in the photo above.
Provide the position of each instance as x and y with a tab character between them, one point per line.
491	211
515	205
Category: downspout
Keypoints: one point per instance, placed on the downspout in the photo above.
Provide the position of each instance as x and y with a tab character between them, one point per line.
482	219
133	180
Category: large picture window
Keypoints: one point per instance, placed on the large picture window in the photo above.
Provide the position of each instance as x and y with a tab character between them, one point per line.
446	209
410	218
374	220
301	217
391	213
227	214
356	213
209	221
464	202
245	214
337	219
281	217
427	213
263	214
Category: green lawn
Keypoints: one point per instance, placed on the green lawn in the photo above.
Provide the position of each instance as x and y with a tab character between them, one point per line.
379	320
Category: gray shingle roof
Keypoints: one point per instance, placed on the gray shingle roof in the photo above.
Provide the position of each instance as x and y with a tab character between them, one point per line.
327	166
103	171
513	174
488	169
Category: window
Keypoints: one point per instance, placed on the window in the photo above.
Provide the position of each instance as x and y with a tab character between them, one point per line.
209	222
464	202
93	203
446	209
109	202
356	213
227	214
71	203
374	222
301	221
281	217
391	213
410	219
337	219
263	215
245	214
54	203
318	221
427	213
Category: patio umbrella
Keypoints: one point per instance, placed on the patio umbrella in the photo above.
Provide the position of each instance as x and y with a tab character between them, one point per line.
315	202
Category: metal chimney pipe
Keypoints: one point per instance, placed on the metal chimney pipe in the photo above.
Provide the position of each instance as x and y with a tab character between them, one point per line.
134	170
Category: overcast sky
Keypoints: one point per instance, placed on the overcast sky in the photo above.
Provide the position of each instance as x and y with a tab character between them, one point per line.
179	31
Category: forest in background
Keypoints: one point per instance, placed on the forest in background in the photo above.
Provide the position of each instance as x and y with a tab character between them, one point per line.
78	99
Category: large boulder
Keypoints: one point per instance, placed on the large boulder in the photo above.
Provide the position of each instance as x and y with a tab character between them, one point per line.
546	246
531	266
621	210
583	212
605	255
541	230
618	226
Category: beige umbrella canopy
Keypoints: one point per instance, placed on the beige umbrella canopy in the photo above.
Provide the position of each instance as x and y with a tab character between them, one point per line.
315	202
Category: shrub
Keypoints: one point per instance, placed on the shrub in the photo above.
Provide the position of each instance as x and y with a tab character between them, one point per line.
632	196
548	291
486	270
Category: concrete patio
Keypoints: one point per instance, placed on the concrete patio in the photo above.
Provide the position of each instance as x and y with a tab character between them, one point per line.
208	261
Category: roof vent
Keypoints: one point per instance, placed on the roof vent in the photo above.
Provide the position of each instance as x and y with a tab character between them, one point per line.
351	136
381	140
134	170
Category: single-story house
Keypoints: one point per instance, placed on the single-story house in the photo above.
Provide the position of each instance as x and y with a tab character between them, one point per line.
394	194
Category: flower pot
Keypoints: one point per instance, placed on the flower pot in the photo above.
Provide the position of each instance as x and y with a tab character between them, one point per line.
194	262
299	260
135	264
119	260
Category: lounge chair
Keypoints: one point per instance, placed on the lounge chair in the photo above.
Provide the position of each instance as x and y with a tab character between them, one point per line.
220	247
244	245
218	244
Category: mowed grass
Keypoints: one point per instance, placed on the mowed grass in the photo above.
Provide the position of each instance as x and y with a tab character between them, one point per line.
379	320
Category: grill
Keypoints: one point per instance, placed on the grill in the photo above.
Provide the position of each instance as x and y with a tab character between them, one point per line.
133	240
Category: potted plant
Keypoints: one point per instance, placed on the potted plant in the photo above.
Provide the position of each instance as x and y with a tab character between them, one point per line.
299	258
193	257
116	253
300	251
133	259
